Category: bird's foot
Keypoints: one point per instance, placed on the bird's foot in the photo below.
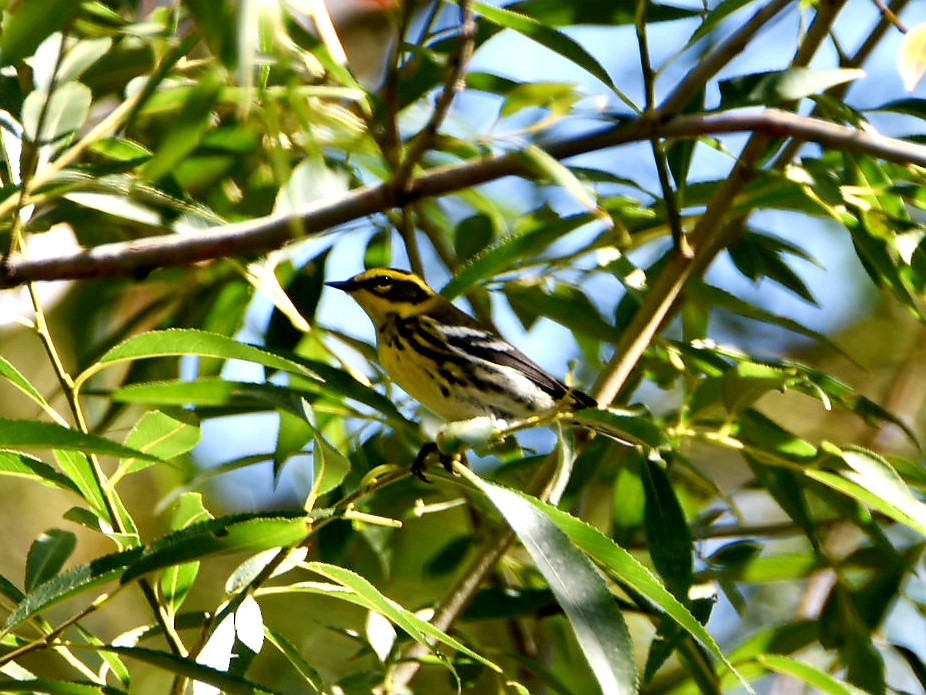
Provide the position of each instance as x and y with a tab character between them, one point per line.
428	449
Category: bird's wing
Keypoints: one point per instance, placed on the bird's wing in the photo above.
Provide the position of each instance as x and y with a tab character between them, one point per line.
485	345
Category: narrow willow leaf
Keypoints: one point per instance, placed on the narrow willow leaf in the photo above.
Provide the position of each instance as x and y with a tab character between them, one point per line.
183	341
244	533
47	556
58	115
75	581
820	681
667	534
225	682
566	305
532	237
556	41
743	385
872	481
559	173
911	57
771	88
56	687
369	596
163	435
21	465
627	570
294	656
188	127
624	426
177	580
330	466
13	375
726	300
48	435
79	469
579	588
112	662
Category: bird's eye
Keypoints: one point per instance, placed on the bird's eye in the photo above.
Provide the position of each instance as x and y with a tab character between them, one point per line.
383	287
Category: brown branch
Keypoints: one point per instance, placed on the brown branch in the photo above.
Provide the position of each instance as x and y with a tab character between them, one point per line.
143	255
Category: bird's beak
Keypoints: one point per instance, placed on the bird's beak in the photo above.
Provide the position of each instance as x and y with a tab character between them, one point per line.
343	285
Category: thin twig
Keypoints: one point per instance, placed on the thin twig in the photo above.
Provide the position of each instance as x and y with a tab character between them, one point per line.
659	153
719	57
454	85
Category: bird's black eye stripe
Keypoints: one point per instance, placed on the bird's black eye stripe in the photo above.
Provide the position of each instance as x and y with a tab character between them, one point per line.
397	290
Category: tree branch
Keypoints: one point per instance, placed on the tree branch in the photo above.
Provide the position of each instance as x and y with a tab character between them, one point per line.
140	256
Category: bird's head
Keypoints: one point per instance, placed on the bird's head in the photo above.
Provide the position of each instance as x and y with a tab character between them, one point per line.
382	292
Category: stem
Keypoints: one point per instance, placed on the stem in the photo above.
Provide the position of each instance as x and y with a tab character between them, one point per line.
109	500
659	154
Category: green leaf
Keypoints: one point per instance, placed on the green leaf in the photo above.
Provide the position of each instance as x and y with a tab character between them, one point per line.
556	41
294	656
472	236
79	469
56	687
177	580
872	481
81	56
765	437
76	580
226	682
667	534
580	590
27	24
66	110
47	556
179	342
11	374
193	121
330	466
609	14
166	436
533	235
773	88
49	435
240	396
624	426
625	569
568	306
365	594
718	297
18	464
244	533
747	382
759	256
820	681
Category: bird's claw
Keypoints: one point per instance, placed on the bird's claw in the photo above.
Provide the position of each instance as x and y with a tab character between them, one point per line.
420	464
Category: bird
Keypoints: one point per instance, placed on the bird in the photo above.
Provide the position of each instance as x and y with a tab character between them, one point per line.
453	365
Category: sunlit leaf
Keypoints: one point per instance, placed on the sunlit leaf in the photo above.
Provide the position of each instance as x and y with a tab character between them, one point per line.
592	612
820	681
911	57
246	533
773	88
180	342
556	41
65	112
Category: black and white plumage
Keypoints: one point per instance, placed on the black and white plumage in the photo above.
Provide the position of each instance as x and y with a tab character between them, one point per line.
454	366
